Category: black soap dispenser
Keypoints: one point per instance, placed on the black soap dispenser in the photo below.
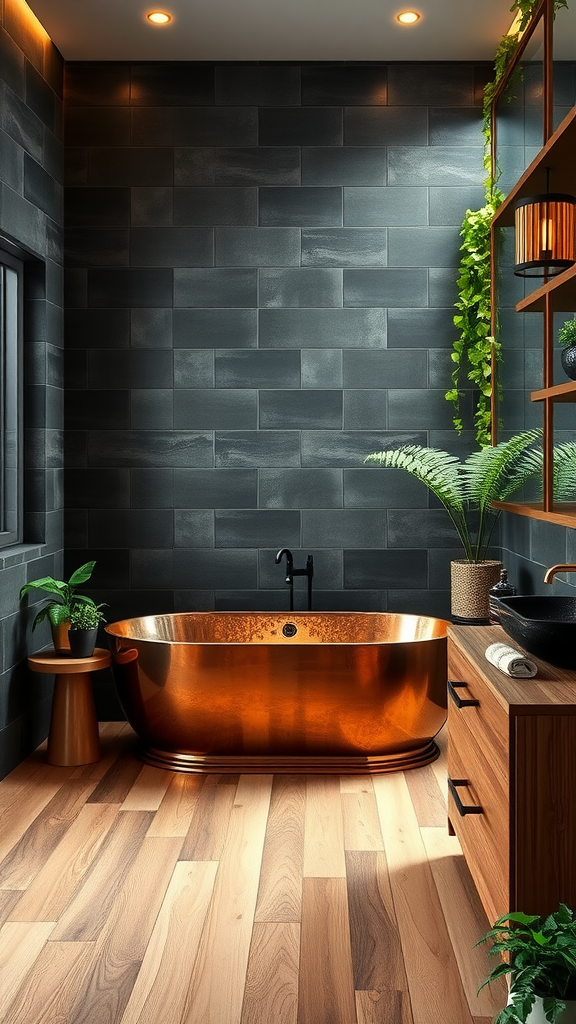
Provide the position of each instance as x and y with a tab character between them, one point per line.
501	589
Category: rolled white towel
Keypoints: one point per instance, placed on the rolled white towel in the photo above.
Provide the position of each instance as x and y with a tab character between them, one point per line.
512	662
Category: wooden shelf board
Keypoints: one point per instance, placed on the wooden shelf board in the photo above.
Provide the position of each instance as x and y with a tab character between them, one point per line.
562	288
558	393
564	514
558	156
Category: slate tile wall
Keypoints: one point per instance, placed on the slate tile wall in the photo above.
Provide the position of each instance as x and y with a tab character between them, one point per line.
31	193
261	274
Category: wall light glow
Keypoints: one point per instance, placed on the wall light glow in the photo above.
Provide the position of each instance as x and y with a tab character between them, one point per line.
159	17
408	17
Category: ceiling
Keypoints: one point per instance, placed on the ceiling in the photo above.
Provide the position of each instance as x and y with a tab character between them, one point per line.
275	30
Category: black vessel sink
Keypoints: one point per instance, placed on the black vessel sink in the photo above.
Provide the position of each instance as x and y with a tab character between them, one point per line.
543	626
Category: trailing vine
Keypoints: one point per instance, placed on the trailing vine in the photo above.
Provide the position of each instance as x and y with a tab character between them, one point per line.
475	350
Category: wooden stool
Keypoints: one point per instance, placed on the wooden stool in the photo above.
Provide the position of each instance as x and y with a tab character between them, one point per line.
73	738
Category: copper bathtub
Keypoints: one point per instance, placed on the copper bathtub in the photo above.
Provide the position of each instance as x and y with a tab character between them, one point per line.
297	692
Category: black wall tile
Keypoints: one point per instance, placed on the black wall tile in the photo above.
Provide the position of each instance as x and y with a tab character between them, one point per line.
300	409
152	408
215	488
215	287
345	84
302	206
257	247
86	409
242	528
97	207
344	247
134	528
171	247
257	84
346	528
300	488
129	368
124	166
441	165
89	85
152	126
98	488
215	328
300	126
265	448
420	328
369	207
171	84
93	328
385	126
215	409
97	247
216	126
151	328
388	287
365	410
40	97
150	448
193	528
349	448
206	569
322	328
305	287
213	206
446	84
152	488
262	165
407	570
98	126
126	287
257	369
193	368
376	487
343	165
321	368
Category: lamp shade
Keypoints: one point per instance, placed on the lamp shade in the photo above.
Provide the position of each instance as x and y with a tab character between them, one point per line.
545	235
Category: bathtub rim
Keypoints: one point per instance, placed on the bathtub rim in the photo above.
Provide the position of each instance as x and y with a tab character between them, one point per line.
294	641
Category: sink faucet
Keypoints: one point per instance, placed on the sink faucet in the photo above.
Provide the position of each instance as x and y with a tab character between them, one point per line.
550	573
291	572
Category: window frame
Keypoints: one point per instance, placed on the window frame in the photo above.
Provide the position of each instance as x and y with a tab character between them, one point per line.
11	399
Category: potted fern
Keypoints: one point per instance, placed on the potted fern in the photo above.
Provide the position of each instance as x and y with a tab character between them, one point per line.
64	597
541	962
84	622
467	490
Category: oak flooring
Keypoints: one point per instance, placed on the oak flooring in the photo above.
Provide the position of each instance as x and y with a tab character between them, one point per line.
132	895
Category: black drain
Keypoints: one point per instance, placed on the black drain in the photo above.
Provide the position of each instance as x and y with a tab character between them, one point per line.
289	629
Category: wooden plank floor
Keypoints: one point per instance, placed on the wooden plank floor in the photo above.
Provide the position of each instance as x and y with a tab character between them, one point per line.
131	895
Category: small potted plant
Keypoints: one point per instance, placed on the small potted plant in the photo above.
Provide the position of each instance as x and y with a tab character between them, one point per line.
567	338
84	622
64	598
541	961
467	490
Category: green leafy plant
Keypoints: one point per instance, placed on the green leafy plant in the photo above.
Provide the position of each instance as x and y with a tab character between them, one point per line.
64	599
86	616
467	489
541	960
567	333
476	351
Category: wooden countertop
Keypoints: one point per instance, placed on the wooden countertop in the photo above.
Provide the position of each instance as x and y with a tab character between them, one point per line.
553	688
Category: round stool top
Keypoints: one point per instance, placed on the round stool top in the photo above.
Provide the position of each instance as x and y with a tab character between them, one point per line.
65	664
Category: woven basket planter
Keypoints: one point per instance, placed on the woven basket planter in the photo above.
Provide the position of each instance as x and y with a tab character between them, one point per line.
471	582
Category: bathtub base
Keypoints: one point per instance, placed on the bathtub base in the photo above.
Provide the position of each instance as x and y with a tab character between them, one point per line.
199	764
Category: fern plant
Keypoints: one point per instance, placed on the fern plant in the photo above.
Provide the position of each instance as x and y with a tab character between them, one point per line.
467	489
540	959
64	595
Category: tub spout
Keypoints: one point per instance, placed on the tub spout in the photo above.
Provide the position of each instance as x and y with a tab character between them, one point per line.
551	572
291	572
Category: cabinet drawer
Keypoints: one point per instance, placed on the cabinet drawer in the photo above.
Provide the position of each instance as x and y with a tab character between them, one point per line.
478	755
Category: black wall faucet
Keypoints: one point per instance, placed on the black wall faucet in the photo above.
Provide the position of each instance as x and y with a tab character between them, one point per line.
291	572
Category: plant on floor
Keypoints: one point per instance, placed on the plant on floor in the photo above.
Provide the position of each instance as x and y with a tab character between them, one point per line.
540	959
467	489
65	597
476	350
86	616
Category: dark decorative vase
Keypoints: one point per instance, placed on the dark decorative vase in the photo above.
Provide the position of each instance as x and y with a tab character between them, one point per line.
82	642
568	360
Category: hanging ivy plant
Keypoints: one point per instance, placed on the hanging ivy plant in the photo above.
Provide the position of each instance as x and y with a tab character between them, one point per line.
476	351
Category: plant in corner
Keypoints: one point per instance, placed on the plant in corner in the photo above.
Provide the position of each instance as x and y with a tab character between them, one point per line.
84	622
468	489
64	597
567	338
541	962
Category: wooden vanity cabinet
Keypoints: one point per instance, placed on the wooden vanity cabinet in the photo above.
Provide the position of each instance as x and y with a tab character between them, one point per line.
512	776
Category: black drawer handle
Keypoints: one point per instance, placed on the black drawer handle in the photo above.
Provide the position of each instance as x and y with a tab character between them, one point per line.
459	702
462	808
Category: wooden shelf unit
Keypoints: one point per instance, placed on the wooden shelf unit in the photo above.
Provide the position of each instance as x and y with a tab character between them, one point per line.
554	170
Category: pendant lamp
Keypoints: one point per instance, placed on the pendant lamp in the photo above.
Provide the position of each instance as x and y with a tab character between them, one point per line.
545	234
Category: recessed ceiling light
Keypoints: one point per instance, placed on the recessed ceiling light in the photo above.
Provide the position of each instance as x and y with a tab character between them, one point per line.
159	17
408	17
